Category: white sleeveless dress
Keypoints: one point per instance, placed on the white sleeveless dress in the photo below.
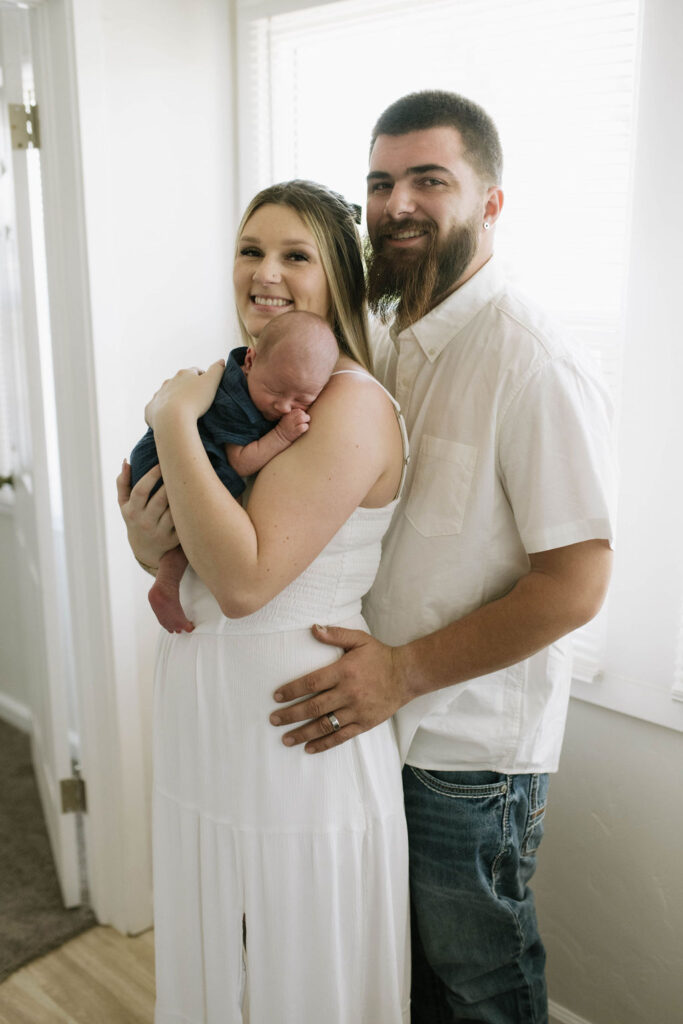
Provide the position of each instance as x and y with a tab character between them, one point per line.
307	852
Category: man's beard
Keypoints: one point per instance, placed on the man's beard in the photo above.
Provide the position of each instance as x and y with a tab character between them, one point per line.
408	283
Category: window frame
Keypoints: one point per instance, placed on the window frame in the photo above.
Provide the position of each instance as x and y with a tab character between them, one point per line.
635	665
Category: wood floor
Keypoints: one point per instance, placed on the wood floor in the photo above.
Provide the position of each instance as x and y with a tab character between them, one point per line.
101	977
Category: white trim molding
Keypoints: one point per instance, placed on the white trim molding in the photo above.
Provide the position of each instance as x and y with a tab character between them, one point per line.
9	4
677	686
118	872
560	1015
15	713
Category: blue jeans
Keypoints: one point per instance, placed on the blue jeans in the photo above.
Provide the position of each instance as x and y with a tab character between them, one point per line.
477	954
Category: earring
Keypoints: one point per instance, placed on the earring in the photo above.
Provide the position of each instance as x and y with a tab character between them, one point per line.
486	225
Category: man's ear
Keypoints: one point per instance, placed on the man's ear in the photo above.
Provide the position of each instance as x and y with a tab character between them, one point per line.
249	358
493	204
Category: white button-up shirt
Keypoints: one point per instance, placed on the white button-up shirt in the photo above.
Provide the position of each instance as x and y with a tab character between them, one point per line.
510	453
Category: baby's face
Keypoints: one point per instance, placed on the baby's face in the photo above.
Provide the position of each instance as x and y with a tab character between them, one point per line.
283	381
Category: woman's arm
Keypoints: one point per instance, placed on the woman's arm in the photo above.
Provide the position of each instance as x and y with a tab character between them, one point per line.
299	500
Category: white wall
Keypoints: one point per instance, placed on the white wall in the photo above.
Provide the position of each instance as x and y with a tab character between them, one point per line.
155	97
151	157
609	885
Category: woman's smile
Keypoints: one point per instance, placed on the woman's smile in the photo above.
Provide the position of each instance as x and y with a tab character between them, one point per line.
277	268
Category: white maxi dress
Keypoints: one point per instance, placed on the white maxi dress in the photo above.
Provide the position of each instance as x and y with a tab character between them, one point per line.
306	854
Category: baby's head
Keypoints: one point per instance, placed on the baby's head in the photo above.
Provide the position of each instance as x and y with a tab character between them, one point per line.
296	354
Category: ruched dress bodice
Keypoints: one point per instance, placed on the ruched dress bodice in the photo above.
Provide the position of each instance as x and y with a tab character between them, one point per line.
329	591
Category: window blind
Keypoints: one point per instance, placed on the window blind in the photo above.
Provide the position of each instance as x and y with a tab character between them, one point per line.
559	78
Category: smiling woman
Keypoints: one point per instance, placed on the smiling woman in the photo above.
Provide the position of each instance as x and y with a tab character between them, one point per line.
277	268
317	236
246	829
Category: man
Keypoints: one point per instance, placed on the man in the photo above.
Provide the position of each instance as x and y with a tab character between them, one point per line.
501	548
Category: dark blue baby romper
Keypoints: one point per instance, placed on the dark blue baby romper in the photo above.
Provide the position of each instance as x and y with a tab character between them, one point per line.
232	419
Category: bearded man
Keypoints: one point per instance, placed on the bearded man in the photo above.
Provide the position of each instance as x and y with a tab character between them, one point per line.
500	548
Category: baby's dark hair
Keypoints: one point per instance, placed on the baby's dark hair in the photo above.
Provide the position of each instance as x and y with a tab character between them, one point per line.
309	327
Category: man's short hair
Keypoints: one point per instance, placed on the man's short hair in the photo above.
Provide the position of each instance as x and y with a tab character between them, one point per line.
436	109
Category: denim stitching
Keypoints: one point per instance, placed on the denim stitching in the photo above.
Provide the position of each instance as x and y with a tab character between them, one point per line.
505	844
534	818
456	789
505	851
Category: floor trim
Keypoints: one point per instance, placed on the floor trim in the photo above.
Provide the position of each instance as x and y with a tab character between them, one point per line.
560	1015
15	713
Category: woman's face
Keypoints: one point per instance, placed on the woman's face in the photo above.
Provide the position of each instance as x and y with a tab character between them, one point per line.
278	268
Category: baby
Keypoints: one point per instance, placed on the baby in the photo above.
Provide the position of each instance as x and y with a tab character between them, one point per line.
259	410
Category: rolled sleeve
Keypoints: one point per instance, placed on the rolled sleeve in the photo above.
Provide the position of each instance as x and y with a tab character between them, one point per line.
557	457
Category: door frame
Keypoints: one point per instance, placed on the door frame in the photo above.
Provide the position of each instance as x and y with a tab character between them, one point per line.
46	629
116	823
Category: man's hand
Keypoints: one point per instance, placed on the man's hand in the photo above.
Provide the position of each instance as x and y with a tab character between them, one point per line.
293	424
148	520
563	589
362	689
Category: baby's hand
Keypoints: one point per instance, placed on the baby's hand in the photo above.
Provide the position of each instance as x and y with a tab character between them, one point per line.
293	424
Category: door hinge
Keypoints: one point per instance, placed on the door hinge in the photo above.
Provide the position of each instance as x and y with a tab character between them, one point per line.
24	126
73	795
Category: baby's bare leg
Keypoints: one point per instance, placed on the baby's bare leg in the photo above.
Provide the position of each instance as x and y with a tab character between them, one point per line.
164	595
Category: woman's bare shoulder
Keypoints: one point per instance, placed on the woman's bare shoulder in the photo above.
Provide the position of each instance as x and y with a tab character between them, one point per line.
354	418
352	389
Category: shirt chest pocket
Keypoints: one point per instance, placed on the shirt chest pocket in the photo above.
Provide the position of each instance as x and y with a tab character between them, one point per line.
441	486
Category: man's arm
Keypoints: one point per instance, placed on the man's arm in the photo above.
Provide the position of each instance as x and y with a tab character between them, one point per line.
564	589
250	458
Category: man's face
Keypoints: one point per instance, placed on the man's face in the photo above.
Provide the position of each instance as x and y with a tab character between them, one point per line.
425	214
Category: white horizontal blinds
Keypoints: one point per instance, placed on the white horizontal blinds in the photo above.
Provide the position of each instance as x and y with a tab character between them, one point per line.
588	647
558	77
256	120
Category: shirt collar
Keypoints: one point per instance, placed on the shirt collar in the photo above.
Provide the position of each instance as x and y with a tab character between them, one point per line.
438	328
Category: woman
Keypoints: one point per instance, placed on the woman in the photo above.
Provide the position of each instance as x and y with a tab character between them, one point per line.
306	856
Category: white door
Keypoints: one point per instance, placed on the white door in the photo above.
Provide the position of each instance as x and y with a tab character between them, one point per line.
38	517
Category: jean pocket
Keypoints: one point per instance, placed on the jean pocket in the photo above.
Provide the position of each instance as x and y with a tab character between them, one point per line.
441	486
463	785
538	800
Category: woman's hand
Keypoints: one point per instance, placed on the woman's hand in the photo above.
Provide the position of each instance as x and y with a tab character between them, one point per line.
148	520
190	392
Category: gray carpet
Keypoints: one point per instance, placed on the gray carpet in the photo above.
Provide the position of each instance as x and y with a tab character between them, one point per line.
33	920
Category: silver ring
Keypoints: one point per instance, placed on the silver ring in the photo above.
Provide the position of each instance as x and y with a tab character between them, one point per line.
334	722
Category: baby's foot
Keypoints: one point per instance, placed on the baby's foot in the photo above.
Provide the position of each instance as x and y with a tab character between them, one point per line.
165	602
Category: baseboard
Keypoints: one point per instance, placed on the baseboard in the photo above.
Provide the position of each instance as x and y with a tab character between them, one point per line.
15	713
560	1015
18	715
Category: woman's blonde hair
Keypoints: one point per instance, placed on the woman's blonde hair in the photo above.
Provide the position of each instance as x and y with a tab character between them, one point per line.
331	221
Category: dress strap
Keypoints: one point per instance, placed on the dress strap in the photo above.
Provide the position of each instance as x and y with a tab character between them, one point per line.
399	417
